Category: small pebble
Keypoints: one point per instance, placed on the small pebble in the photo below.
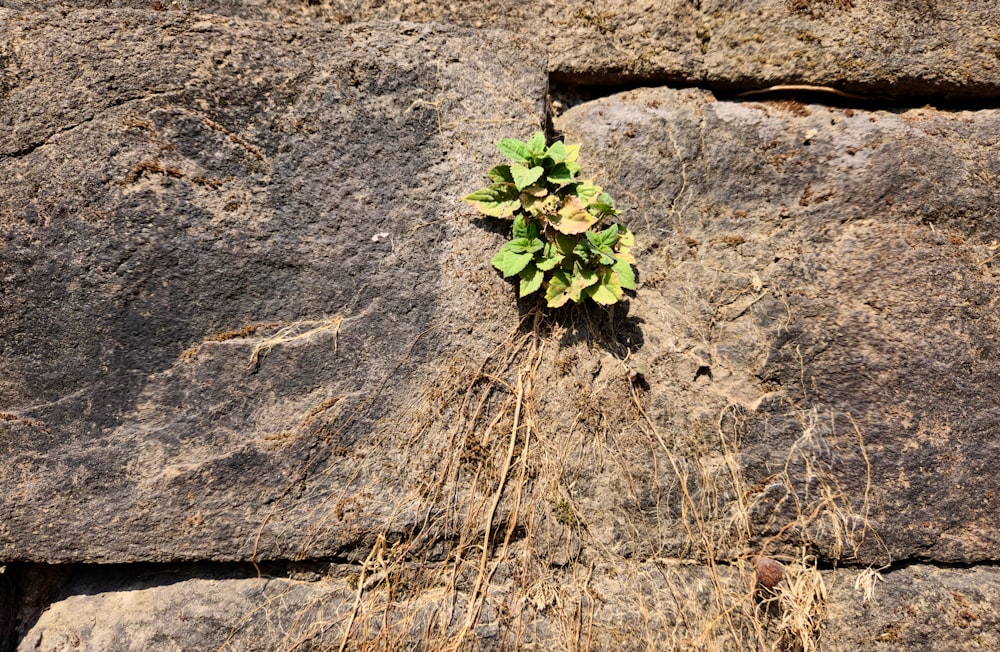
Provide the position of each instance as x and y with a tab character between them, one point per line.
769	572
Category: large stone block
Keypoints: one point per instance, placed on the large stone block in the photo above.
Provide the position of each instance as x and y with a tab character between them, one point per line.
228	253
882	48
912	607
820	283
185	608
877	48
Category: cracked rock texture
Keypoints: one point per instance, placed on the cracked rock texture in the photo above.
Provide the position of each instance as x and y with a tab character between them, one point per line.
261	389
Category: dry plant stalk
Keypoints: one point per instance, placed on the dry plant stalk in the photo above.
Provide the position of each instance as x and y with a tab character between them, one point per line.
297	331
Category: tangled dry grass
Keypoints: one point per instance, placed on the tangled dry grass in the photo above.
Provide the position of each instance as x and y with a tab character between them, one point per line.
513	551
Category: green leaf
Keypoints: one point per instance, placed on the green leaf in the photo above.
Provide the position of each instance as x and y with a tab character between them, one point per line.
514	149
558	292
603	243
510	262
560	174
550	257
611	234
525	245
587	192
537	143
565	244
625	243
625	238
605	205
525	229
557	151
572	152
583	277
524	177
606	259
563	286
626	277
520	227
498	200
607	291
500	174
602	210
604	240
531	280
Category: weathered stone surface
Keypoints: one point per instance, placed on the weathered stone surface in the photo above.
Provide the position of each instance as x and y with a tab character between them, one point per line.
197	608
828	276
188	609
881	47
598	40
225	254
243	316
870	47
669	607
915	608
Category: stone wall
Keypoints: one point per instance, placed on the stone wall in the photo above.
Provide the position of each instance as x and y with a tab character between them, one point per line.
261	389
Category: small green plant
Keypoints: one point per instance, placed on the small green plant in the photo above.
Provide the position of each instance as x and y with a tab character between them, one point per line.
559	243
